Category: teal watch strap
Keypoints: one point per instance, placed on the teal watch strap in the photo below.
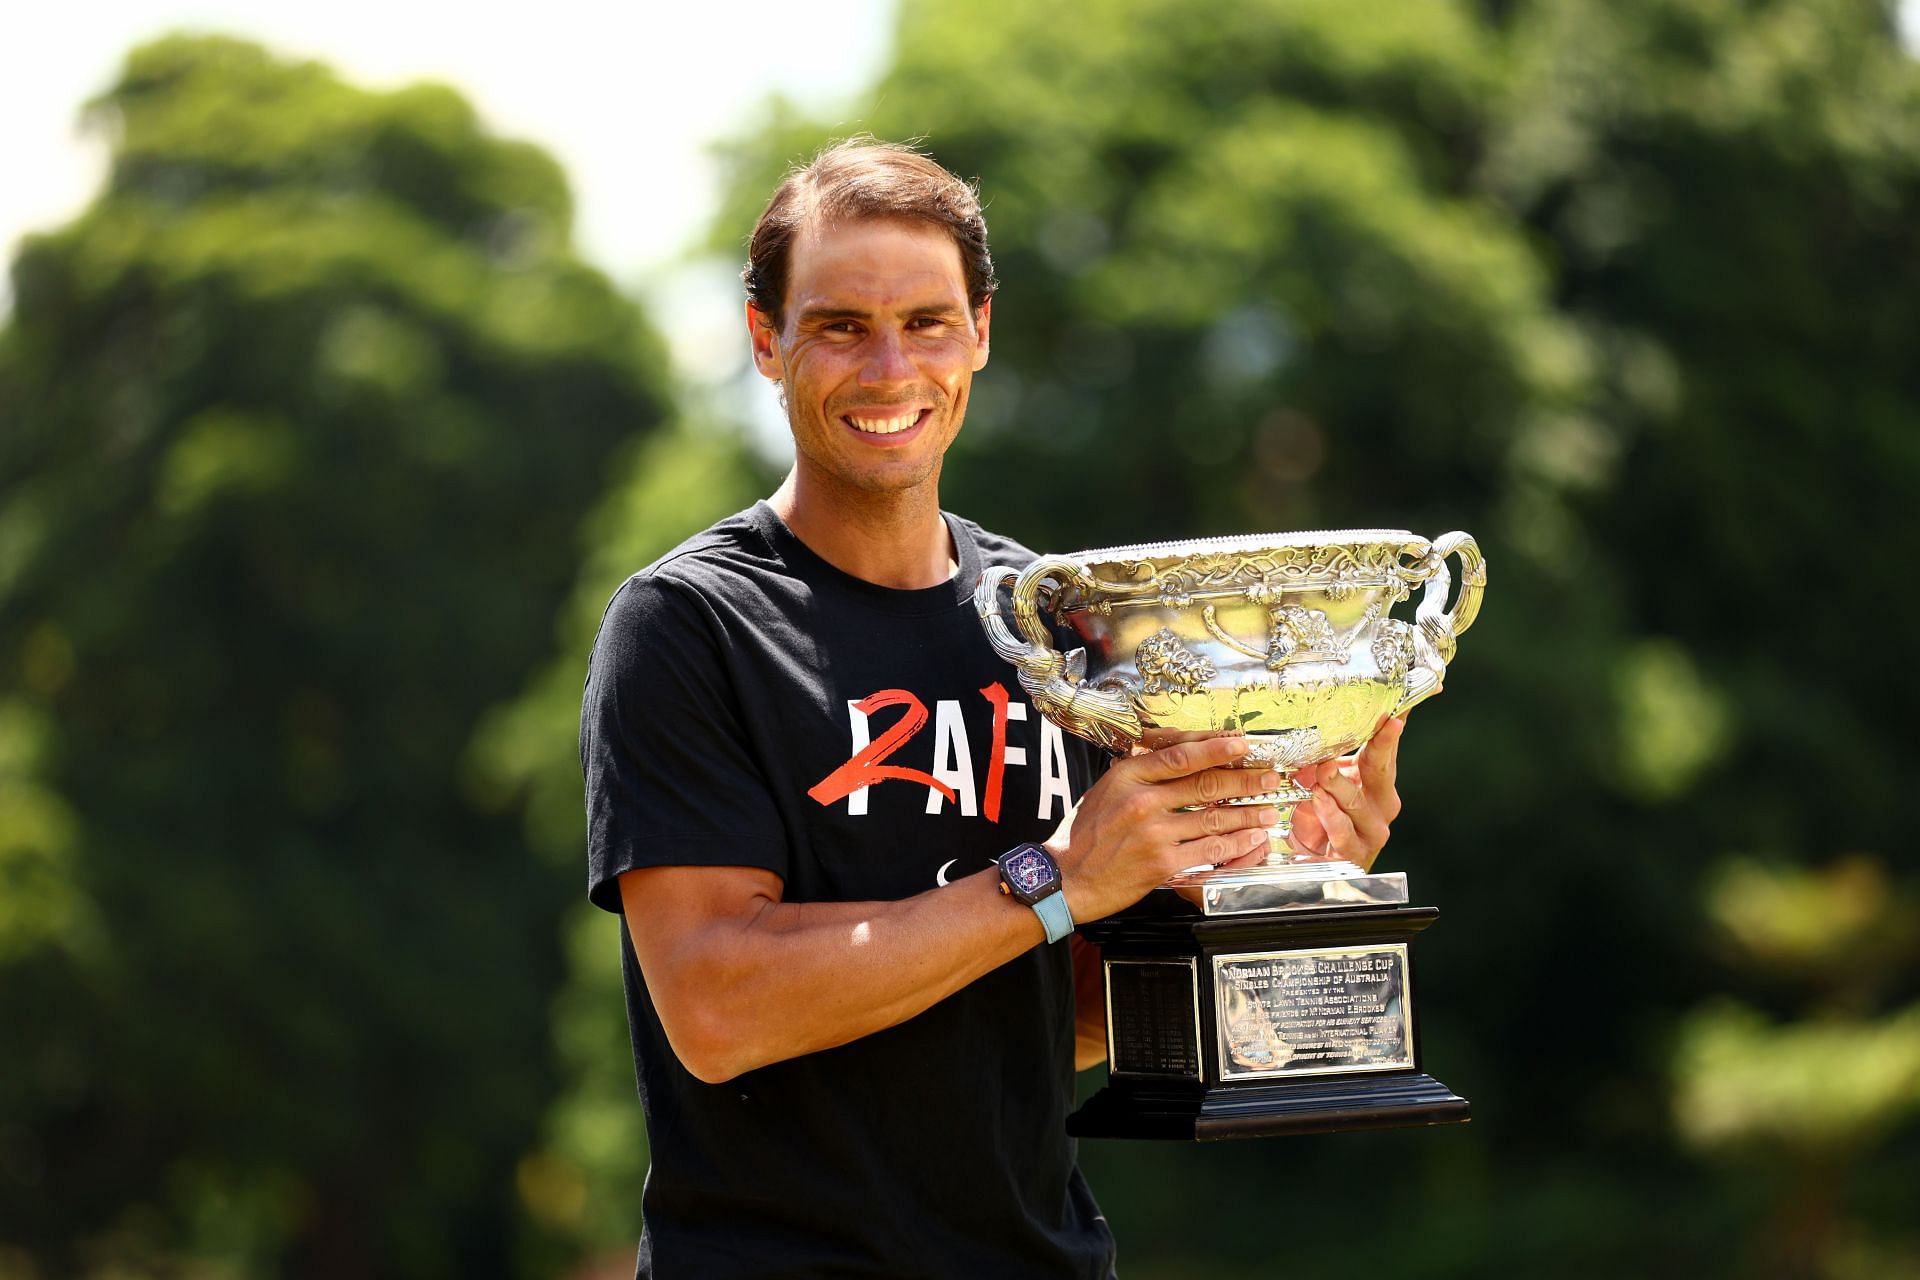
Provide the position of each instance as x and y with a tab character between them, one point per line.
1055	915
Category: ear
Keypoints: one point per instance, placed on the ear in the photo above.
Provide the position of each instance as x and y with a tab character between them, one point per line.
765	337
982	321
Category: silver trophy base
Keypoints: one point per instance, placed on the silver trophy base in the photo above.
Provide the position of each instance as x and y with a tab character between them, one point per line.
1289	886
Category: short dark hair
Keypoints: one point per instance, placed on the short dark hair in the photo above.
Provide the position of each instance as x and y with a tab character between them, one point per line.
865	178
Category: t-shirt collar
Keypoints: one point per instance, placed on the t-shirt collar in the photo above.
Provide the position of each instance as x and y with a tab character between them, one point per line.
923	600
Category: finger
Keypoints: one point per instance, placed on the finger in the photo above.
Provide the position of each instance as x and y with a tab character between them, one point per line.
1216	785
1377	782
1380	761
1357	806
1154	739
1254	857
1308	837
1320	855
1343	785
1220	850
1222	819
1185	758
1342	839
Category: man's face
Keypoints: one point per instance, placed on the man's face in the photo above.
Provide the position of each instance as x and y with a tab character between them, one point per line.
877	352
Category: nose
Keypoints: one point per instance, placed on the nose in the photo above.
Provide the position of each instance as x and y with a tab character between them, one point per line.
886	360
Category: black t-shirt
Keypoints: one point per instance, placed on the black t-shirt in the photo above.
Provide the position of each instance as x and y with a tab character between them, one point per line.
748	704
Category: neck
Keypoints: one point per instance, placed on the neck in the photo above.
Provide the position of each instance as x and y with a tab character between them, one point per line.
896	540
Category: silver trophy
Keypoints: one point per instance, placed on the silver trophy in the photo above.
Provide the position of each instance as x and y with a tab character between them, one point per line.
1287	638
1294	1013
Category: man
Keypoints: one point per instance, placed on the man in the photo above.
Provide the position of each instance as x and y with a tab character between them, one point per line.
855	1051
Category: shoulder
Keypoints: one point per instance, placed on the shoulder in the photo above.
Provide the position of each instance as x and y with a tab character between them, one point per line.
727	549
995	548
717	560
671	595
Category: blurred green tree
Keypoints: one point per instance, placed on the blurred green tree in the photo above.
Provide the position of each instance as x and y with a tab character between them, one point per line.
1627	289
581	1181
1791	1108
298	424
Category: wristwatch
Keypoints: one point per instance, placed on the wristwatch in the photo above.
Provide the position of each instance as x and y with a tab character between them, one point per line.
1029	873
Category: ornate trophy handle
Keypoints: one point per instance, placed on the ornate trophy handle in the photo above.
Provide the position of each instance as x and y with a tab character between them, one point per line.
1439	630
1053	679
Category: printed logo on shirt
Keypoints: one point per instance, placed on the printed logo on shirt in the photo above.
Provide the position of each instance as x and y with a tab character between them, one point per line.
953	779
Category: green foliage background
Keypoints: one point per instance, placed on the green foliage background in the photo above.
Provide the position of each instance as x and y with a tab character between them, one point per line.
321	454
1628	290
301	418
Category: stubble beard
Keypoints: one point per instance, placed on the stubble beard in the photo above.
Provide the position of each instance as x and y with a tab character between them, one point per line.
874	482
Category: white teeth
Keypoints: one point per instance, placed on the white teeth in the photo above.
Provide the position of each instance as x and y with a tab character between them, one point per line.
884	426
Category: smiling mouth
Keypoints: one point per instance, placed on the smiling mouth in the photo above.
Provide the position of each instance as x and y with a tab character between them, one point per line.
877	426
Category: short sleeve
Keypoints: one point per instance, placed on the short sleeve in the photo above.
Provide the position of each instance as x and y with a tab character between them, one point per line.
670	780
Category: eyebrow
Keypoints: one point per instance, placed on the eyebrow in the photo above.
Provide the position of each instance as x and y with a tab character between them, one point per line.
817	314
827	315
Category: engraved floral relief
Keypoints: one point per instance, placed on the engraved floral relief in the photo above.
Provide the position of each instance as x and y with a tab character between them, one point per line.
1347	579
1265	591
1287	750
1298	634
1163	660
1261	576
1393	649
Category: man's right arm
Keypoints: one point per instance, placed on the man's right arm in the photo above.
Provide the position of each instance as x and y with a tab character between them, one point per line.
742	979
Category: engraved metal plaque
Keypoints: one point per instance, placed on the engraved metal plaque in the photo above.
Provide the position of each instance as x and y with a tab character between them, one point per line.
1153	1018
1305	1013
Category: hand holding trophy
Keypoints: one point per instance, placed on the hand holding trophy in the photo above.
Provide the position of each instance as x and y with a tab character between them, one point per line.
1287	639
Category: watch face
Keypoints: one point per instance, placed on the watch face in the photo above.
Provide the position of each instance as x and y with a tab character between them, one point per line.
1027	870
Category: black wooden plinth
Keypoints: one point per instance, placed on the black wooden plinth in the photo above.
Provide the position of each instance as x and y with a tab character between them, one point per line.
1166	1078
1326	1104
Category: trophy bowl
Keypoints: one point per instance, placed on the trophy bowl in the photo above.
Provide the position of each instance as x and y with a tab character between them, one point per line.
1286	638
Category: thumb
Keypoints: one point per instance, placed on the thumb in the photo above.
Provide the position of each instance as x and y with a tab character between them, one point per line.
1064	832
1308	835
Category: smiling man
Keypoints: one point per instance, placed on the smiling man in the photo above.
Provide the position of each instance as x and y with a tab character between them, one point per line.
848	853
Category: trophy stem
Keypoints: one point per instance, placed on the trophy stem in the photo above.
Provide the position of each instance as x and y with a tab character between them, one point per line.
1284	798
1279	852
1286	878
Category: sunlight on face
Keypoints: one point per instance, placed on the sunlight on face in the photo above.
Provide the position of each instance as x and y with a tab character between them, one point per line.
877	353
